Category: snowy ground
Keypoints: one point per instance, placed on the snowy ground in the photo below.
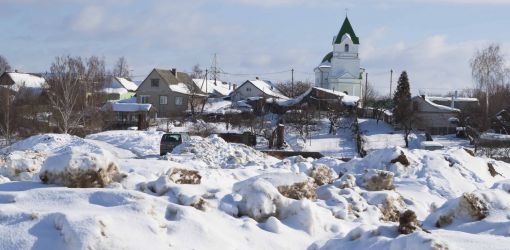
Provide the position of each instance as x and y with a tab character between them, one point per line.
339	145
239	198
382	135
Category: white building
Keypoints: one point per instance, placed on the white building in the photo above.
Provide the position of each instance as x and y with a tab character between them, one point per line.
340	69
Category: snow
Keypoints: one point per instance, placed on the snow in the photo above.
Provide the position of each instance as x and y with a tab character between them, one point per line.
380	135
179	88
209	86
268	88
26	80
456	99
441	107
128	85
495	137
238	202
130	107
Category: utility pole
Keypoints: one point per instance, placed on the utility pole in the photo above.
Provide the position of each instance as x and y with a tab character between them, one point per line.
391	80
366	88
292	82
214	69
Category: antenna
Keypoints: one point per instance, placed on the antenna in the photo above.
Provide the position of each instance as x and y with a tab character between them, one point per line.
214	69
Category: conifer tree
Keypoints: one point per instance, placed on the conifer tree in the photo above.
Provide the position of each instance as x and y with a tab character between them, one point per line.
403	112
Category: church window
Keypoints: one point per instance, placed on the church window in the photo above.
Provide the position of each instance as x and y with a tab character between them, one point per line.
346	48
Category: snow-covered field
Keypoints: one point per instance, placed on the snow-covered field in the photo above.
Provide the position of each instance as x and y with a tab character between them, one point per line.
209	194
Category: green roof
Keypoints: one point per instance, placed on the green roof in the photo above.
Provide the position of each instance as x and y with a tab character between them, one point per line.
328	57
346	29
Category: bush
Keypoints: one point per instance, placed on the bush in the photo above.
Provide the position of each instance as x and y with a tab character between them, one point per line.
299	191
202	128
80	178
377	180
322	174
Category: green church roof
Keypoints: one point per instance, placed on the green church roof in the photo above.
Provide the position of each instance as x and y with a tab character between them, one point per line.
328	57
346	29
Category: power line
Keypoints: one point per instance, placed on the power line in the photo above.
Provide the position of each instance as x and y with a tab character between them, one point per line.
251	74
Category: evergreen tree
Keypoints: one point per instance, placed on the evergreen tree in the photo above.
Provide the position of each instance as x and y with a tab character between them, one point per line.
403	113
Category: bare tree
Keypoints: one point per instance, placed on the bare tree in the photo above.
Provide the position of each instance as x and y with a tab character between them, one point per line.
121	68
65	89
7	112
197	72
488	70
4	65
293	90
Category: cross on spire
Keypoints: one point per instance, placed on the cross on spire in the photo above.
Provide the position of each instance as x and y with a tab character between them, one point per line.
346	11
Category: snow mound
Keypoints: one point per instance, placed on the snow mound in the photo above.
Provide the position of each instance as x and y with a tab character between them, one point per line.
141	143
21	165
80	166
261	200
214	152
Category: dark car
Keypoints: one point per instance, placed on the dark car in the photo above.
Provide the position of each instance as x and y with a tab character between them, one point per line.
171	140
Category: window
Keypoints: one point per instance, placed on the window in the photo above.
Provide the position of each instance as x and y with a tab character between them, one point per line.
144	99
178	100
154	82
346	48
248	89
163	100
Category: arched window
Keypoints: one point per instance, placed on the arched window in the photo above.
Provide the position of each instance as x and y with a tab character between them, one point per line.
346	48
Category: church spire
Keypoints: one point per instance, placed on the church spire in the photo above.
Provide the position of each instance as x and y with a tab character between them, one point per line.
346	29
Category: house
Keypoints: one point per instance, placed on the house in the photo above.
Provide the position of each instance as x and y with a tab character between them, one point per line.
340	69
125	113
14	81
169	92
257	89
213	88
434	118
118	88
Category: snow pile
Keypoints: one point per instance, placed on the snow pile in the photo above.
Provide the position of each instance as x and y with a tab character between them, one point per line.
261	201
142	143
21	165
214	152
81	166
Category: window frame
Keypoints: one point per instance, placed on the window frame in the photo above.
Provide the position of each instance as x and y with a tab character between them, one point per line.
165	98
346	47
142	98
179	101
155	83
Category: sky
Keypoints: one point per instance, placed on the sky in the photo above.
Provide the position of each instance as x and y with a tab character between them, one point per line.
433	40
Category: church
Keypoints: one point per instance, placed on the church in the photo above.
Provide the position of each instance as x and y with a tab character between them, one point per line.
340	69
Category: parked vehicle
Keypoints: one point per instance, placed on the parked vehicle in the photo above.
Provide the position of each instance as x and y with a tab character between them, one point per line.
171	140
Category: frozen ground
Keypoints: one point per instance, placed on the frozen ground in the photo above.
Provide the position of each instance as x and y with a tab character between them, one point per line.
209	194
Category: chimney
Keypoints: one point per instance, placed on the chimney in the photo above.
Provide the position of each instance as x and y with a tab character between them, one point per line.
256	78
174	71
423	97
453	99
234	86
15	71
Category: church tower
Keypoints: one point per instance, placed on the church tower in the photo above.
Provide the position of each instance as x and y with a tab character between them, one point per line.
340	69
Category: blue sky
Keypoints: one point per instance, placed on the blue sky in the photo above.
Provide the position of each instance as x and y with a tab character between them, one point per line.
434	40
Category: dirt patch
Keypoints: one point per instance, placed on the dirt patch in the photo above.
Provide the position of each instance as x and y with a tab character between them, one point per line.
402	158
469	204
322	174
184	176
299	191
408	222
377	180
492	170
77	178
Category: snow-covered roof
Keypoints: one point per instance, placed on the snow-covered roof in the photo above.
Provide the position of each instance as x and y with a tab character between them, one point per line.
27	80
209	86
127	84
115	90
456	99
268	88
179	88
441	107
131	107
127	105
495	137
346	99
